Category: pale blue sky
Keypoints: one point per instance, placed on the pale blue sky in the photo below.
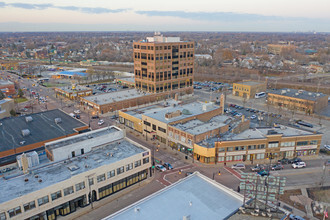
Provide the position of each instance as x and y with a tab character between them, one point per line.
170	15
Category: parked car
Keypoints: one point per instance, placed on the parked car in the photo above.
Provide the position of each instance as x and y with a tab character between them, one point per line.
239	166
113	117
168	166
257	168
263	173
277	167
101	122
95	116
77	116
295	160
298	165
253	117
160	167
284	161
295	217
77	111
327	147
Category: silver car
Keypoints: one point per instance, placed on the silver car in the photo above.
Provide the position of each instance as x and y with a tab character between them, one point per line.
239	166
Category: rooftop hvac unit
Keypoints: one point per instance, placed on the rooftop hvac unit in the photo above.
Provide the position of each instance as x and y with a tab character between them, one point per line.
28	119
300	91
318	94
25	132
309	93
58	120
31	157
296	93
283	91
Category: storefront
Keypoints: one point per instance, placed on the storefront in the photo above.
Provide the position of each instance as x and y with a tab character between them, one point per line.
255	155
286	152
235	156
306	150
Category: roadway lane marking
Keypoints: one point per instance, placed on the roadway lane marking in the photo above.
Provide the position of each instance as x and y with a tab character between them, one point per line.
233	172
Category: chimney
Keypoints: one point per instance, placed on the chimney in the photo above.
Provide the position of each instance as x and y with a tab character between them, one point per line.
25	163
222	103
243	117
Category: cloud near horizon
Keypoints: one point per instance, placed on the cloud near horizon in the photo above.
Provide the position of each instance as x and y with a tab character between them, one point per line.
87	10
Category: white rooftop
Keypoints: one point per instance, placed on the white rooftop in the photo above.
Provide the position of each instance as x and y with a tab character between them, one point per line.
188	110
195	196
257	133
112	97
161	39
14	186
137	113
196	126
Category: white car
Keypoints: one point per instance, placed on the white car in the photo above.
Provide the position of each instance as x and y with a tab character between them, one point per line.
77	111
298	165
160	168
239	166
253	117
101	122
327	147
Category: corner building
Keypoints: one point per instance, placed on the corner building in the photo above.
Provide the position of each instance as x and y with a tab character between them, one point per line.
163	64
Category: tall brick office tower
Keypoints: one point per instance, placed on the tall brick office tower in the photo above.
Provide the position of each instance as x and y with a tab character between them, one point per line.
164	64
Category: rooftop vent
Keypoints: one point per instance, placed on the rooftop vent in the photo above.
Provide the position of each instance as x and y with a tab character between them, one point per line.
270	132
186	217
186	112
28	119
22	142
73	167
26	132
58	120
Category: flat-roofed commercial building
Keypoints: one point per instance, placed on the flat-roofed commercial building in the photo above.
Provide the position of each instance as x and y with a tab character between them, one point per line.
298	100
7	87
108	165
258	144
155	123
31	132
133	118
248	89
110	102
6	105
163	64
194	197
183	136
73	92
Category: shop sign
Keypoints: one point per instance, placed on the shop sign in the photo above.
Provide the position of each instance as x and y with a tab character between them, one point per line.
286	148
236	153
306	147
256	151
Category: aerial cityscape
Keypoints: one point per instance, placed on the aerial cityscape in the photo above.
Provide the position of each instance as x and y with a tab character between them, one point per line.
138	110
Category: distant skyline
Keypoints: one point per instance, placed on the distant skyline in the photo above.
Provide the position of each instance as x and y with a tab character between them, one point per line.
170	15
